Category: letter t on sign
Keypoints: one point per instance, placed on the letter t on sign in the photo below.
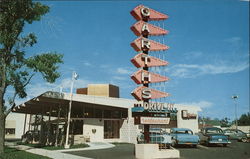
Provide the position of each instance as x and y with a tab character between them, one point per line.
145	58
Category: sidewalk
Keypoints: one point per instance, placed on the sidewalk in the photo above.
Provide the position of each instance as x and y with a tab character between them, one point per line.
92	146
58	154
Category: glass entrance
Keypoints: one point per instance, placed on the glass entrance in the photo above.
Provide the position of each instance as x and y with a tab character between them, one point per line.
111	129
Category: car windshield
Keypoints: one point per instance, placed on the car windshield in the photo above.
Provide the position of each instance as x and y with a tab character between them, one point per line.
214	131
184	132
239	131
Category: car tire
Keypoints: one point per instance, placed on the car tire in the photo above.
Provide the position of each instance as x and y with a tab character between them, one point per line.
24	140
244	140
194	146
224	145
173	144
207	144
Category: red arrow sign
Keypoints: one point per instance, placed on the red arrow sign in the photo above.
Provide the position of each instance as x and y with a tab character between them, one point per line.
142	44
143	77
141	12
143	60
142	93
141	27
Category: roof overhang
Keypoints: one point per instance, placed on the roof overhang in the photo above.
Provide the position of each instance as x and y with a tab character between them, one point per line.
50	102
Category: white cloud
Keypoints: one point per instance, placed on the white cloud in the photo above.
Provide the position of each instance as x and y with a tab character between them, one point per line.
104	66
233	40
193	55
123	71
190	71
120	78
201	104
86	63
36	89
79	83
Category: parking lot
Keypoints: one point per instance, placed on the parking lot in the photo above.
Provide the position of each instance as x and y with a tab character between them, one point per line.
236	150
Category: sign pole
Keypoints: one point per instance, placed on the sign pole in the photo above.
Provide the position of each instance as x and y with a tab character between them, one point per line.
74	77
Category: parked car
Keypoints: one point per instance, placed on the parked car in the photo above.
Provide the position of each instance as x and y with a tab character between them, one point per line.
183	136
213	135
235	134
156	136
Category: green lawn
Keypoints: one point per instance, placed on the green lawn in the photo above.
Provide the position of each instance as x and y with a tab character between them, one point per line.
62	147
12	153
53	147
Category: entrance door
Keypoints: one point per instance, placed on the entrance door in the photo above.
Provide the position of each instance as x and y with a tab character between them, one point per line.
111	129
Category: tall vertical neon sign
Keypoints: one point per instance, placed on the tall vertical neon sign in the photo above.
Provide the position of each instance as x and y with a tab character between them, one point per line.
150	112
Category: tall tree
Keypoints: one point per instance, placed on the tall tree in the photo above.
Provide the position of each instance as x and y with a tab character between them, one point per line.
225	122
244	120
17	68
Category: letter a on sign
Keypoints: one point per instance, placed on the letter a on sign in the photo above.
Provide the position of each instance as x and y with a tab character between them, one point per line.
145	29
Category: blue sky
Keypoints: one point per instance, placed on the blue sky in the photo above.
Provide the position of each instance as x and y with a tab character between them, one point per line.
208	55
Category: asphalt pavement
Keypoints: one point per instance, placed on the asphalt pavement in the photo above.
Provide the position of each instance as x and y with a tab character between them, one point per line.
236	150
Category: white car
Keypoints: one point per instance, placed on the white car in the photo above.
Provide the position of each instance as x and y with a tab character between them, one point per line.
158	137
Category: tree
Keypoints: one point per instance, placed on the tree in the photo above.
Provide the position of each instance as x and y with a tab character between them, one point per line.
16	68
225	122
244	120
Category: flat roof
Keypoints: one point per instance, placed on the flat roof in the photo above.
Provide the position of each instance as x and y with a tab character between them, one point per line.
51	102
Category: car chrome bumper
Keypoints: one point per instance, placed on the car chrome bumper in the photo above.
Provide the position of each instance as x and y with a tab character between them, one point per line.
219	142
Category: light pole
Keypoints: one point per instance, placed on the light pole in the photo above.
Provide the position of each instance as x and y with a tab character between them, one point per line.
74	77
234	97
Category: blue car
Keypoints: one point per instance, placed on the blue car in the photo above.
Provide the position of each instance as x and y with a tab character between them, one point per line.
183	136
213	135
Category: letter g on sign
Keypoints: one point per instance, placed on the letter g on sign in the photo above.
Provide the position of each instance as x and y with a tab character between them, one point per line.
145	12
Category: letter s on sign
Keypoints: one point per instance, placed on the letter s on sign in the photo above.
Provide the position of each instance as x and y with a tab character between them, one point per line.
146	93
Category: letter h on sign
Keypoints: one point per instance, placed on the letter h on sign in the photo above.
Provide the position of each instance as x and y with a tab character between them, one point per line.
145	77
